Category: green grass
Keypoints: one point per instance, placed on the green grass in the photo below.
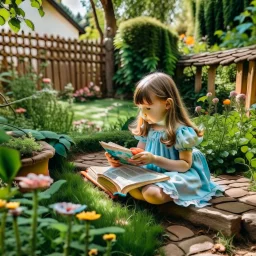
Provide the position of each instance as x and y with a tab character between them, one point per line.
97	110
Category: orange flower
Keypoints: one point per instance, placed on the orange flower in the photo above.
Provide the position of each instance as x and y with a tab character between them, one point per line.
93	252
88	216
190	40
109	237
226	102
12	205
2	203
182	36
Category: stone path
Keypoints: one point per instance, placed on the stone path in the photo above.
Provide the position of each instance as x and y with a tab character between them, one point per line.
233	213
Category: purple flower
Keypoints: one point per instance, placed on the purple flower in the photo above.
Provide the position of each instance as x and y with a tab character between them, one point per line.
232	94
240	97
209	94
198	109
68	208
215	100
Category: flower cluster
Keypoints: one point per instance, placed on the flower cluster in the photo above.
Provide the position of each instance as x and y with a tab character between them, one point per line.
188	40
88	92
20	110
84	125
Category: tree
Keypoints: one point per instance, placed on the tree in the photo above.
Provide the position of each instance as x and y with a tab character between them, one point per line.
11	12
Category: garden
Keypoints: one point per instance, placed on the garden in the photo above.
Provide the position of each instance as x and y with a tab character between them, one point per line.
46	208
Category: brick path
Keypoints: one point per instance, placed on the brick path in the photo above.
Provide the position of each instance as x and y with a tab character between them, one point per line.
234	213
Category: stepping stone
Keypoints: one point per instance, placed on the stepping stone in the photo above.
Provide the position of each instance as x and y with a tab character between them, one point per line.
235	192
89	156
206	254
196	244
224	182
248	199
241	252
249	224
243	180
250	254
215	179
172	249
234	207
222	199
80	166
78	160
229	177
178	233
239	185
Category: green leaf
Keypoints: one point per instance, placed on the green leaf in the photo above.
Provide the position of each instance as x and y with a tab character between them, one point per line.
13	12
211	120
249	155
253	141
220	160
224	154
35	3
6	194
77	245
53	188
243	27
60	149
41	12
2	21
3	136
4	13
244	149
239	160
101	231
243	141
65	142
14	24
18	2
30	24
231	170
203	99
21	12
8	2
67	138
50	135
253	123
59	226
36	134
253	162
9	164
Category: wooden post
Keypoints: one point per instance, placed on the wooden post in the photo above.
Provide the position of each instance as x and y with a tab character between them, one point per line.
198	80
251	85
211	79
241	77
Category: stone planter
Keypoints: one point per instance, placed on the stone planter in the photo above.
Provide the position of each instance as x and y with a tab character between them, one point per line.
38	163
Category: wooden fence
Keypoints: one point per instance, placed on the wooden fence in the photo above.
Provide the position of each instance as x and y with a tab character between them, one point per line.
69	61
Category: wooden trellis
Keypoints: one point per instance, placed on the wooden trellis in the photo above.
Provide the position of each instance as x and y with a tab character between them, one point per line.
245	60
69	61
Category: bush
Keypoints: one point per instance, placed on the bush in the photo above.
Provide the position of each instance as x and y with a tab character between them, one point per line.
144	45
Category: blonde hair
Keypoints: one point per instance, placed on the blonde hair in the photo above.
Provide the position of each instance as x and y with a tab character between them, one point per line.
163	87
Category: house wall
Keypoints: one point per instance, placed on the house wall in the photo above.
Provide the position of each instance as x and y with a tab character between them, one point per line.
53	23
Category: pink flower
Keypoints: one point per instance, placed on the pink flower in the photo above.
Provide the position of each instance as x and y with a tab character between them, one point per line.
91	84
67	208
33	181
215	100
47	80
232	94
96	88
209	94
240	97
20	110
198	109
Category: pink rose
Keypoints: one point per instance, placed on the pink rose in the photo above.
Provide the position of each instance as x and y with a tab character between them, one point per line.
198	109
20	110
47	80
215	100
209	94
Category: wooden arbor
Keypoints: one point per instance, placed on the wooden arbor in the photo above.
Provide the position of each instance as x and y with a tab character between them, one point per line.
245	59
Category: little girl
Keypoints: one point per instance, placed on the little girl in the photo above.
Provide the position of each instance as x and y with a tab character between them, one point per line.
167	139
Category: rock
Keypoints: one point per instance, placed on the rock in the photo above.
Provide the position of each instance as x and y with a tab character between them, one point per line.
243	180
171	250
228	223
235	192
249	224
80	166
222	199
224	182
239	185
249	199
196	244
234	207
178	233
229	177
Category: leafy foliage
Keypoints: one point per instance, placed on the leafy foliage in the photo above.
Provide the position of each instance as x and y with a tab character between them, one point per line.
14	15
145	45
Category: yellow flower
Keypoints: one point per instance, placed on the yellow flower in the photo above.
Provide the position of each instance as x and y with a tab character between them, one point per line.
109	237
93	252
226	102
88	216
2	203
190	40
182	36
12	205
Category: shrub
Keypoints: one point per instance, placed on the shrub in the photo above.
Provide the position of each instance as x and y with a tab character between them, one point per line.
144	45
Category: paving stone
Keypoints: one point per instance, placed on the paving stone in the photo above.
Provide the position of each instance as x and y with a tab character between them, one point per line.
206	254
215	179
249	224
229	177
239	185
216	219
251	193
250	254
196	244
222	199
235	192
80	166
88	156
243	180
171	250
251	199
178	233
224	182
234	207
241	252
225	187
90	163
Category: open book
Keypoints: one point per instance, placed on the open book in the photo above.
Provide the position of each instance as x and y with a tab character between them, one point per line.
117	151
120	180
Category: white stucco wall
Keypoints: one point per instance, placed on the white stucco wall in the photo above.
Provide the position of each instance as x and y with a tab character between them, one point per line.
53	23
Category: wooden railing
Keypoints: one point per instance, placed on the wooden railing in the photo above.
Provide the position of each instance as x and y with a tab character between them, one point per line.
69	61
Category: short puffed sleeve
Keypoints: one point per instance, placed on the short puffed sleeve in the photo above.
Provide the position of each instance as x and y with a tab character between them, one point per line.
186	139
141	138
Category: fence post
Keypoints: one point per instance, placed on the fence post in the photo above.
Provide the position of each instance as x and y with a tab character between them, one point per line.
109	61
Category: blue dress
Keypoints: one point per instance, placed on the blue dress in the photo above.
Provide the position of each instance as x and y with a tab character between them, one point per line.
185	188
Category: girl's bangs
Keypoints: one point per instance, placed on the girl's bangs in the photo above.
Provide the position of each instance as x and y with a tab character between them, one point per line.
142	96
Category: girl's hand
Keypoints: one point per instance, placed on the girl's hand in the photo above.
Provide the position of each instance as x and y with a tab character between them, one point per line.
142	158
113	162
136	150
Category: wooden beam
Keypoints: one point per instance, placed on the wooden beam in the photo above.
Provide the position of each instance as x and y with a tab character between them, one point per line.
251	85
241	76
211	79
198	80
